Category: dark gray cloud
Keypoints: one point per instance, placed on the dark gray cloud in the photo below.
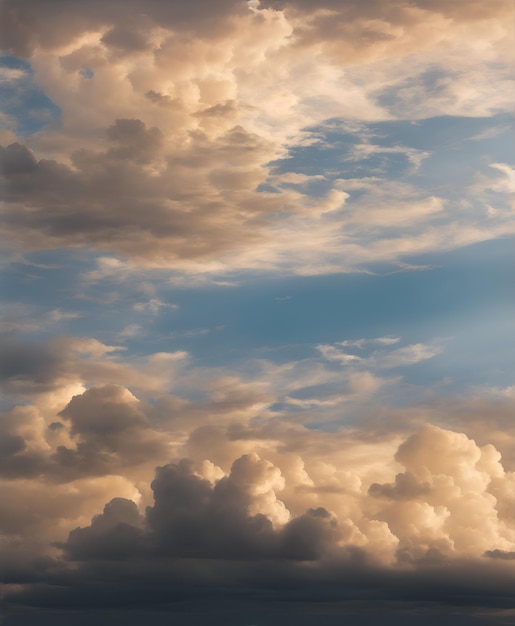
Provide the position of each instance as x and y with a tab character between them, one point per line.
133	140
107	431
27	24
405	487
197	206
500	554
16	159
28	365
18	462
110	430
115	534
102	413
208	542
198	542
193	519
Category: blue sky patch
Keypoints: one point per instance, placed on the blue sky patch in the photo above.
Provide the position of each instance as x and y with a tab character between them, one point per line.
26	107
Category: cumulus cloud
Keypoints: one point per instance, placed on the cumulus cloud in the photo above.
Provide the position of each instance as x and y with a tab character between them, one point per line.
262	526
442	504
18	19
173	171
108	418
244	500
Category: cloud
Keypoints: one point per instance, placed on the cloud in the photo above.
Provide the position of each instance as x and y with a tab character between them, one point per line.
425	510
183	213
508	184
164	154
500	554
18	35
132	330
49	373
96	208
154	305
26	363
166	145
240	515
385	359
25	107
247	500
352	32
407	541
99	432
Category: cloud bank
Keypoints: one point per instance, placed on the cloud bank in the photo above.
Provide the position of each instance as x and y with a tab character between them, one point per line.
141	504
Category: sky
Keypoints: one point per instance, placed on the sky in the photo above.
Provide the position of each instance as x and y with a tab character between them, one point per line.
257	313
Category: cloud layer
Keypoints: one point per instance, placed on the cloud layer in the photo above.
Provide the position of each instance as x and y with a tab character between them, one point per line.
306	527
154	151
176	170
245	502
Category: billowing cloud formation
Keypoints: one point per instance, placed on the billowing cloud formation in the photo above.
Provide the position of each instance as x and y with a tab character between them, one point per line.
320	525
130	20
243	503
442	503
190	496
176	171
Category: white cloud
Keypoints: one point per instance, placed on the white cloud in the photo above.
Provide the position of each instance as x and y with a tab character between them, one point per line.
507	184
154	305
385	359
130	331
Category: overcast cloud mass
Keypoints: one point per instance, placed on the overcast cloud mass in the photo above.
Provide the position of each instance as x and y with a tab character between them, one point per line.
257	331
